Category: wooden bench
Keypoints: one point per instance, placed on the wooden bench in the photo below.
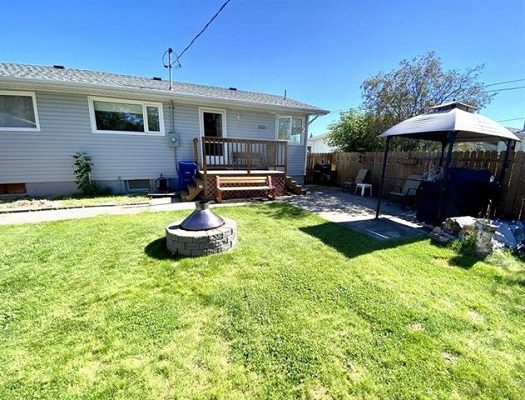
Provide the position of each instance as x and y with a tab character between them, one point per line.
243	183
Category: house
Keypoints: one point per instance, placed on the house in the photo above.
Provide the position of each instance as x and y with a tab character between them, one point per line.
137	128
319	144
519	146
501	146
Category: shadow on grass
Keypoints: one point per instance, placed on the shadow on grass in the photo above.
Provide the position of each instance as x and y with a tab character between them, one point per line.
284	211
158	250
465	254
463	260
512	279
352	243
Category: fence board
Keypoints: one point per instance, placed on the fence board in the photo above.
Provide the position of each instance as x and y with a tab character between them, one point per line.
402	164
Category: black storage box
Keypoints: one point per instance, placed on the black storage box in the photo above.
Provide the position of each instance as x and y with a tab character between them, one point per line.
469	192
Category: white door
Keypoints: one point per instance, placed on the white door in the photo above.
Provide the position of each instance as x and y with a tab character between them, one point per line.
213	124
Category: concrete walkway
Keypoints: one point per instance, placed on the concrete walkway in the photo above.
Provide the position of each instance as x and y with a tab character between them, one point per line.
34	217
331	204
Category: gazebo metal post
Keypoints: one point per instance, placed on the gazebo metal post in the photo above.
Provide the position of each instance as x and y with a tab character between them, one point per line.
443	145
383	172
444	185
505	165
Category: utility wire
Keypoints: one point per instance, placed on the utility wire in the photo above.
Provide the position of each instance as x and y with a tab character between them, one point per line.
512	119
504	89
504	82
202	31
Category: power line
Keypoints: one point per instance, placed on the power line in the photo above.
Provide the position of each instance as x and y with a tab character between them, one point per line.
504	89
202	31
504	82
512	119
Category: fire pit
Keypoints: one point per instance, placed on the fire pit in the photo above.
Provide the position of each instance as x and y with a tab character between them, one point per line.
201	233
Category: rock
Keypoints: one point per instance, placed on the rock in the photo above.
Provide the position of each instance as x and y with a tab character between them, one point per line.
484	232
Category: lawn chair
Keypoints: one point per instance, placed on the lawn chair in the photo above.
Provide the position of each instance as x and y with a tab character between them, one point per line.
349	185
407	194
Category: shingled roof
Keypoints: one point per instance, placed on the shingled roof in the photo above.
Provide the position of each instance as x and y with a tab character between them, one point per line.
106	80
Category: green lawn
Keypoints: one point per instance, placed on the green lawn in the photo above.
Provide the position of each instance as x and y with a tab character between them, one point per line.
301	308
74	202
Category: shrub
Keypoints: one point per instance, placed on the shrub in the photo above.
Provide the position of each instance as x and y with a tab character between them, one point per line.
82	167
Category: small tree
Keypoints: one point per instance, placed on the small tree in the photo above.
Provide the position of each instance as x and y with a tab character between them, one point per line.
82	166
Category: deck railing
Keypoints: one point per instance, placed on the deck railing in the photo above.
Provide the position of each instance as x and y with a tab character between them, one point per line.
236	153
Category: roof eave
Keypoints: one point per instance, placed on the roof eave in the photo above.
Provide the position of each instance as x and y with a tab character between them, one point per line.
166	94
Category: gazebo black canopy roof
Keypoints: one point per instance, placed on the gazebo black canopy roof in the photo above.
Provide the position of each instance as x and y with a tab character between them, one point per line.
448	123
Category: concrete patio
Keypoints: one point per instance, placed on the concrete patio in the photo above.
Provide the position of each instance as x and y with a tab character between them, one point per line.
358	213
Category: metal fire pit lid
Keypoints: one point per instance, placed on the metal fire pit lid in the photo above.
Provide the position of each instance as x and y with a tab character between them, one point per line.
201	219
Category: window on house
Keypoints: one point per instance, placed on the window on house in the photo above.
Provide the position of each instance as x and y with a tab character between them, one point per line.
110	115
139	185
12	188
291	129
153	118
18	111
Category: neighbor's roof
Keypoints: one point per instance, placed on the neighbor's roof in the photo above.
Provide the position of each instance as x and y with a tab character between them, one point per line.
106	80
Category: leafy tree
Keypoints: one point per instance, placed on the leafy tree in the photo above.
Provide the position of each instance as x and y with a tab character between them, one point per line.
419	84
355	131
411	89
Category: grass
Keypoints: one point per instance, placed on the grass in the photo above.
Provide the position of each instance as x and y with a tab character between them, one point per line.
74	202
301	308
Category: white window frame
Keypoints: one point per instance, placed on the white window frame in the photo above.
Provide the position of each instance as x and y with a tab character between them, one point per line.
203	110
144	104
26	94
302	117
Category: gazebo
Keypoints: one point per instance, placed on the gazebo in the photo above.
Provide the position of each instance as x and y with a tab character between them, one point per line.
448	124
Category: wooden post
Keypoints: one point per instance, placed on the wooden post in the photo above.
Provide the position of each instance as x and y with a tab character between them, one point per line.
383	173
248	156
204	162
196	150
286	158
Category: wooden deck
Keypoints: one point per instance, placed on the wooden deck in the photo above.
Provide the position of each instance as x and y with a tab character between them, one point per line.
218	153
240	172
209	182
238	157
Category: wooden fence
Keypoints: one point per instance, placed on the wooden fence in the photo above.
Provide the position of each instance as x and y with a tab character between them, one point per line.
402	164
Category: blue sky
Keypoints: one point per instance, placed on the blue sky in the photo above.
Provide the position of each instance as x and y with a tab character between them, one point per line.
319	51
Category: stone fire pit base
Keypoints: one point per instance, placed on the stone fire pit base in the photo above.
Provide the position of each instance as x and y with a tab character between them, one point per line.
201	243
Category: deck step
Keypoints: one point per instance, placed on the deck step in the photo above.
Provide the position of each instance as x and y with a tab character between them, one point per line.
293	187
193	191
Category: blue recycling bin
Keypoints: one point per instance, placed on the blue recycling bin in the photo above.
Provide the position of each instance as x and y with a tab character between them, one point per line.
186	171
